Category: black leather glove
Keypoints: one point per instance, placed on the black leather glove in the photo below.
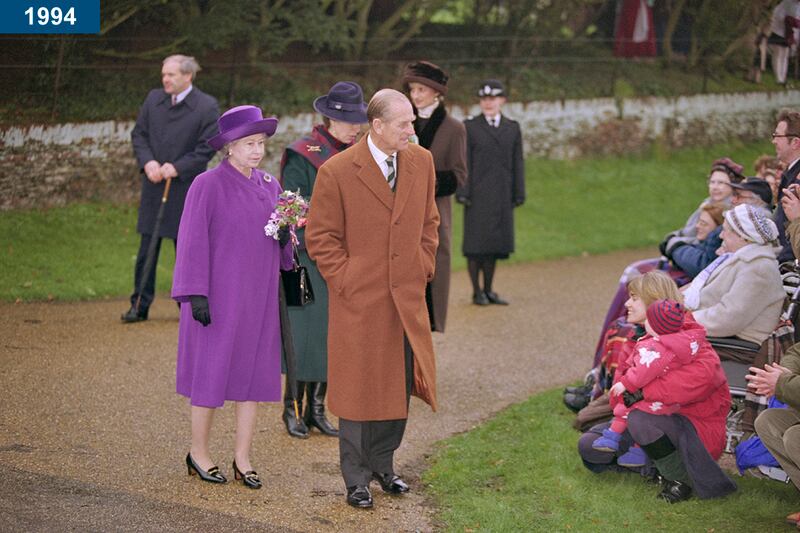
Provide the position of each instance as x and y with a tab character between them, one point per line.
284	236
200	310
463	200
630	398
446	182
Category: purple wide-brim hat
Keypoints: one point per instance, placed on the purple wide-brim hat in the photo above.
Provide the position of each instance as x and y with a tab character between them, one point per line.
239	122
344	102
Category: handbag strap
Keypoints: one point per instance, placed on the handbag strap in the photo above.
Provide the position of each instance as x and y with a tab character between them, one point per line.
295	258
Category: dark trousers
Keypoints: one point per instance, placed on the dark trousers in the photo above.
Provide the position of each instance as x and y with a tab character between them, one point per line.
149	289
368	446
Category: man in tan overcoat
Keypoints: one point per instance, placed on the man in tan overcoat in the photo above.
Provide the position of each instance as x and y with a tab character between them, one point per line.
372	230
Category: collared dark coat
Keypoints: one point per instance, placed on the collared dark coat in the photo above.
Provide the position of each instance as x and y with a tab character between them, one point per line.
376	250
172	134
446	138
790	177
495	185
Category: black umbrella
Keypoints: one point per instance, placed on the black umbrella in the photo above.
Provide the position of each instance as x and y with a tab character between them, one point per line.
151	250
289	357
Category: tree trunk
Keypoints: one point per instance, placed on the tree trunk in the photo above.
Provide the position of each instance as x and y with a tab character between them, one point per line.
675	10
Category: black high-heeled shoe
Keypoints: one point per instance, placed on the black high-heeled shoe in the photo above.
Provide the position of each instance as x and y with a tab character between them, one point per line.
213	475
249	479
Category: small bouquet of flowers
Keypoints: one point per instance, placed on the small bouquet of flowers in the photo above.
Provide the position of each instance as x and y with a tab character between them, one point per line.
290	212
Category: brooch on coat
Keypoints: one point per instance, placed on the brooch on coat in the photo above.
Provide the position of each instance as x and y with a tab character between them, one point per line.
313	148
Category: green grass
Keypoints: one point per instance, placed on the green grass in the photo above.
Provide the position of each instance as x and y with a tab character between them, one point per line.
592	205
82	251
521	471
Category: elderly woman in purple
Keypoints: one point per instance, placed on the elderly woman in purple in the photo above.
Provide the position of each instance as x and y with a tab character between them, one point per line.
226	277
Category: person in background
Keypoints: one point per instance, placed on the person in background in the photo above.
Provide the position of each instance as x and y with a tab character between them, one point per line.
783	37
769	168
343	113
755	192
169	141
426	86
693	258
226	277
495	186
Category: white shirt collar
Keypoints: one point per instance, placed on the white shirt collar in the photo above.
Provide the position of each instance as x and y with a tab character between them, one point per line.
181	95
380	157
793	163
426	112
492	120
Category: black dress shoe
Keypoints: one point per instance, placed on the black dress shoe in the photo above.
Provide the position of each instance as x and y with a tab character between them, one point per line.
249	479
674	491
576	402
131	315
359	496
213	475
495	299
390	483
480	299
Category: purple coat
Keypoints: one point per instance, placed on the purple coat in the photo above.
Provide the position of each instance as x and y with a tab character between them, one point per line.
224	254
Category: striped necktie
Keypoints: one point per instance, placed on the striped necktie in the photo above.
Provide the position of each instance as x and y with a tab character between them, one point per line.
391	177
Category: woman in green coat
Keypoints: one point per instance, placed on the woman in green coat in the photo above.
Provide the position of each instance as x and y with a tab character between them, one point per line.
343	113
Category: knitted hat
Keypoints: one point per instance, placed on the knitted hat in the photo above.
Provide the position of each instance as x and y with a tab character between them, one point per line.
751	224
427	74
665	316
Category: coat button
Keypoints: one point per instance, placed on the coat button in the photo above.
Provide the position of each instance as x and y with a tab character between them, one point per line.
395	285
396	222
395	256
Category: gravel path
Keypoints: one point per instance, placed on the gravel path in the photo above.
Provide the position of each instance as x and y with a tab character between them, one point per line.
92	435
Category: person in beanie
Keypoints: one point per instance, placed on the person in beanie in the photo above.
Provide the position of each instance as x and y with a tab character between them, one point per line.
445	137
682	448
495	186
343	114
662	349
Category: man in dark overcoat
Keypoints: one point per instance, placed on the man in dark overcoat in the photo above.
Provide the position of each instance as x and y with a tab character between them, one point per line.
495	186
169	141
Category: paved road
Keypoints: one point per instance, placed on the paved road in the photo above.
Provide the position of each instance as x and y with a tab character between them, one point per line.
92	435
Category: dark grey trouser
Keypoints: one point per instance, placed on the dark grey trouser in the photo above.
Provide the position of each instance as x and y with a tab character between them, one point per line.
368	446
149	289
779	430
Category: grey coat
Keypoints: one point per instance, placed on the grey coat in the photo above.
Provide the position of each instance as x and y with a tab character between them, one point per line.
172	134
495	185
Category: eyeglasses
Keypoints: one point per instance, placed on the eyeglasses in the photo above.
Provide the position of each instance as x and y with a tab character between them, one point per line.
777	135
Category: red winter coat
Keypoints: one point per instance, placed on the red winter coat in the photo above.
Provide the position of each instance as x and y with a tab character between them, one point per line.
700	387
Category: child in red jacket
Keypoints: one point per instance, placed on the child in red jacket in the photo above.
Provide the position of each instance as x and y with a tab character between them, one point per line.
666	346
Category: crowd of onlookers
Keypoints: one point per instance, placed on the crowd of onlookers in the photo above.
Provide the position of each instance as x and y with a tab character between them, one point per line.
680	322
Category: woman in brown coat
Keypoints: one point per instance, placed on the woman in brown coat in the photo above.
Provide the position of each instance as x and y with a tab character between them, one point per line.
446	138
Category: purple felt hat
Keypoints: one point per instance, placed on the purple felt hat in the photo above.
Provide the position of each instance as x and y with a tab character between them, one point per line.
344	102
239	122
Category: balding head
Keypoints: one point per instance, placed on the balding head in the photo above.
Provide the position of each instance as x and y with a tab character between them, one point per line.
391	120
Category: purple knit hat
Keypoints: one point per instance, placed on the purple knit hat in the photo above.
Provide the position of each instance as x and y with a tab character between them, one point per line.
665	316
239	122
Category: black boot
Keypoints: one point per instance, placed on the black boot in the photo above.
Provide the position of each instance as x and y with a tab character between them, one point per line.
315	409
295	426
675	484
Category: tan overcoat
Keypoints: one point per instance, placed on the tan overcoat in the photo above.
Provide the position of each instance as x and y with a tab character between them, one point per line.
376	250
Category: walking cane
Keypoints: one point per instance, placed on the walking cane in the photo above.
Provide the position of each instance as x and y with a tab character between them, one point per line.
288	347
151	249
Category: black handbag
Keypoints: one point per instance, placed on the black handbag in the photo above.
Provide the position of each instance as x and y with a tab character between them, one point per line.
297	285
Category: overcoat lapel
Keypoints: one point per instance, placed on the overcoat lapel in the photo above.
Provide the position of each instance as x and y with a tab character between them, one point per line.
369	173
406	171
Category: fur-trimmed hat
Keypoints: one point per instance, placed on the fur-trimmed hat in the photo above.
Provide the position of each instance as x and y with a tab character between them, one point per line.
427	74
